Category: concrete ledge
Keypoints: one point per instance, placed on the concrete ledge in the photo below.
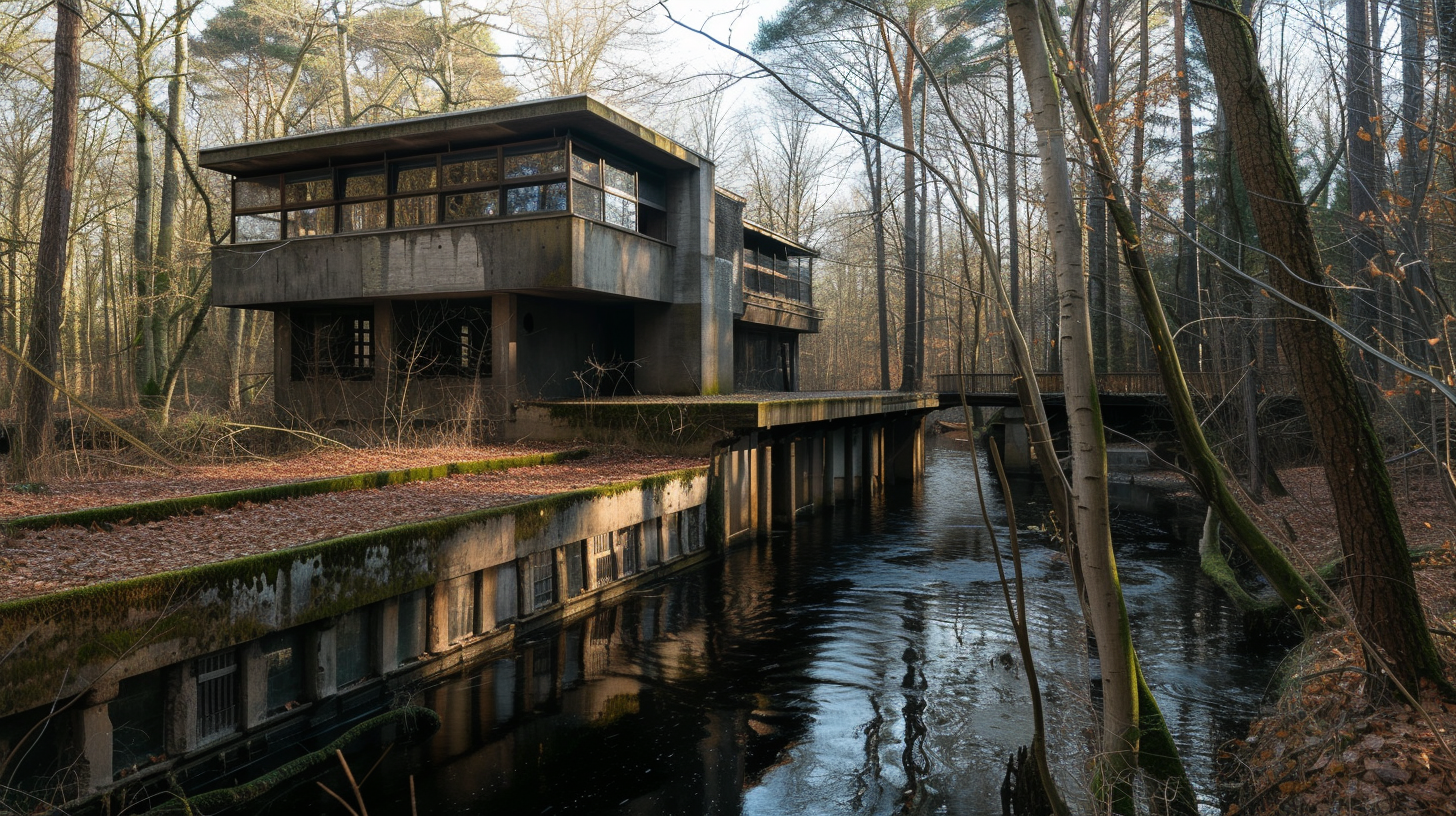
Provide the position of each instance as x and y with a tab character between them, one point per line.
159	509
64	643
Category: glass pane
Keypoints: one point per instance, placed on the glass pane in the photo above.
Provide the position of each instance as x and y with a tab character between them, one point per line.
414	177
587	200
651	190
586	168
471	171
366	216
308	187
463	206
624	181
536	164
541	198
315	221
414	211
621	212
284	661
363	182
251	194
260	227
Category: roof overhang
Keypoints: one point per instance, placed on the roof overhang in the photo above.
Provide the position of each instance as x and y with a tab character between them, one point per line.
793	247
520	121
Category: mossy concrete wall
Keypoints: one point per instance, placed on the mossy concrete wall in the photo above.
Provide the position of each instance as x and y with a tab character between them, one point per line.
68	642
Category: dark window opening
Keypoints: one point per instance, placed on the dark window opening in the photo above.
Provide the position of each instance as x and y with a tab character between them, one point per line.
353	646
283	655
333	342
138	723
449	338
217	694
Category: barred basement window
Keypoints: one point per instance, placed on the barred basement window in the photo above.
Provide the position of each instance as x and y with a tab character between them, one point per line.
542	572
603	571
217	694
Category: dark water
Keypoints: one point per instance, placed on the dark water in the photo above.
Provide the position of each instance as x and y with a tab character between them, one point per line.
863	664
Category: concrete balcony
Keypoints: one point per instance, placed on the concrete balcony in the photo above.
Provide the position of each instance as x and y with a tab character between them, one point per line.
780	313
546	255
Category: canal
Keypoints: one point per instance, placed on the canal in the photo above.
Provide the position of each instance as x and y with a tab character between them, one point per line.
861	664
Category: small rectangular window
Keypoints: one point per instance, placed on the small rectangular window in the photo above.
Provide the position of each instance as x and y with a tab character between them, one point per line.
543	579
138	723
622	180
467	206
313	221
628	546
603	569
363	343
256	227
575	569
536	164
537	198
410	632
414	176
283	657
414	211
460	598
362	217
363	182
621	211
303	188
586	167
353	644
256	193
471	170
217	694
587	201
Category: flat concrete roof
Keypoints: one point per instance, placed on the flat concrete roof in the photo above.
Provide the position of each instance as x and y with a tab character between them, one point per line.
795	247
518	121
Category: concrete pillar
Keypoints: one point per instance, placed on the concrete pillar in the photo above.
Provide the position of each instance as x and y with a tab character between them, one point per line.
764	486
386	636
503	374
384	341
252	684
181	714
835	467
816	470
437	617
750	463
485	601
903	441
92	729
853	462
785	480
1016	452
872	479
320	661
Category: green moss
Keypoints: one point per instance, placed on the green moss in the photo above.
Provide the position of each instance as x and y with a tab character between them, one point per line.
68	631
166	508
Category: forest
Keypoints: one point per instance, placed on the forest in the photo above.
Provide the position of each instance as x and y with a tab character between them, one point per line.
1246	199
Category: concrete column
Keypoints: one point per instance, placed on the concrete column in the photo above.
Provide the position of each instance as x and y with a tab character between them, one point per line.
320	661
853	464
181	714
816	470
252	684
503	374
1016	452
785	480
904	439
872	480
764	486
282	363
92	729
384	341
484	601
386	636
750	464
437	617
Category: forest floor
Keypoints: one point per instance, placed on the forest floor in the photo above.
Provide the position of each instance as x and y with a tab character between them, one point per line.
1321	746
35	562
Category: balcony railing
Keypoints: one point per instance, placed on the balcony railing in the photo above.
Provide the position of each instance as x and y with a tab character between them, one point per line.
783	278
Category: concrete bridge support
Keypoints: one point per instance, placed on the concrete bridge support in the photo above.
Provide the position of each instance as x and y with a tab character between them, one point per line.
1016	453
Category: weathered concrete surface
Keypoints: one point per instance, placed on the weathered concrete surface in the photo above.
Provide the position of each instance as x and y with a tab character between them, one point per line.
64	642
783	314
540	253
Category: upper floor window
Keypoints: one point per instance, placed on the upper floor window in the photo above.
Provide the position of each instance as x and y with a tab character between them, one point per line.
466	185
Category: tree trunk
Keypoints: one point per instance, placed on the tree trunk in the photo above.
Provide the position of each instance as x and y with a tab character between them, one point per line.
36	394
1377	560
1361	133
148	387
1098	272
877	201
1189	347
1013	242
1106	612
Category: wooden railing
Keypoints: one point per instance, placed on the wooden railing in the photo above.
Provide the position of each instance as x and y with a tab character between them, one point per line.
1125	383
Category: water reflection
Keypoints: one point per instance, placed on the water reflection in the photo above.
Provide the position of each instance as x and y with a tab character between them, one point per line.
863	664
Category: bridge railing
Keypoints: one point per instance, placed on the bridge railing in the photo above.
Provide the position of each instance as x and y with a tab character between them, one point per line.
1275	382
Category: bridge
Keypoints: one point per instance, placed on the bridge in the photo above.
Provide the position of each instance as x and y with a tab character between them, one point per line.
1127	387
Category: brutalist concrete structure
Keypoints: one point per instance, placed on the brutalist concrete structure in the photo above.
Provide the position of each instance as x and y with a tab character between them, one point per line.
459	262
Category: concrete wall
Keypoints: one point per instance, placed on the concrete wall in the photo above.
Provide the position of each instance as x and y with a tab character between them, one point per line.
558	252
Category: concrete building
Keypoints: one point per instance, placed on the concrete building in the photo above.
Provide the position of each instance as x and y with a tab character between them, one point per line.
462	261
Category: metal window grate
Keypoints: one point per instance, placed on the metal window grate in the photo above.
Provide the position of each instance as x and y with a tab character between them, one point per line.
217	694
601	554
543	580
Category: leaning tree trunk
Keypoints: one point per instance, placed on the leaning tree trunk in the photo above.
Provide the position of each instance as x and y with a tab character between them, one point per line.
1377	561
1189	347
1107	614
36	393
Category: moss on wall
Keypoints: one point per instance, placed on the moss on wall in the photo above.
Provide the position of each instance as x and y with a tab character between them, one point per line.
166	508
55	642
